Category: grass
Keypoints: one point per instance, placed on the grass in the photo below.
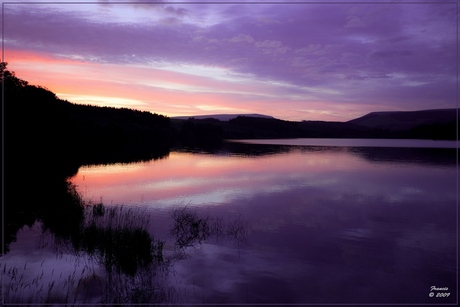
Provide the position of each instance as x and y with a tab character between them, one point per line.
113	238
112	260
22	287
85	284
119	238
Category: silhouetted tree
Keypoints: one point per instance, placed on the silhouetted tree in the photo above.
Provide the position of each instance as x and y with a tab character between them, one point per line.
46	139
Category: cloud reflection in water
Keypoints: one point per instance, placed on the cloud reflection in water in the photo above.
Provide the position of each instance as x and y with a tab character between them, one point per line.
326	225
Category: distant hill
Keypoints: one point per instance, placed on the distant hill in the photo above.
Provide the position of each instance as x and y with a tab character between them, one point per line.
425	124
404	120
222	117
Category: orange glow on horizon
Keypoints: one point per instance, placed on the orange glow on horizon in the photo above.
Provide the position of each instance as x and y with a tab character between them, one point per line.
78	79
170	93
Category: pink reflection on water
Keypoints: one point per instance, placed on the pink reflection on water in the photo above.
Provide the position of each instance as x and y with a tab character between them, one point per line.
317	219
205	179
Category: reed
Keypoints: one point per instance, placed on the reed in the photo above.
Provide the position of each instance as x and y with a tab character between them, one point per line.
114	237
190	228
112	259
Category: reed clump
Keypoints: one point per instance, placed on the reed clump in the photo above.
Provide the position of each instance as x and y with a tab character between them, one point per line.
190	227
134	270
119	238
111	259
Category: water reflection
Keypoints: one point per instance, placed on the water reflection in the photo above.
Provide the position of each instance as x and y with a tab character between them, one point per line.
342	225
189	227
421	156
344	142
192	178
111	238
113	258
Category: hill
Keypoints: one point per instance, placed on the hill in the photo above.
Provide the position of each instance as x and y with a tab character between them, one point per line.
207	131
221	117
405	120
428	124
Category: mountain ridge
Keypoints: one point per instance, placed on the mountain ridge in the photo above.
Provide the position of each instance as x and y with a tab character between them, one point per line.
222	117
388	120
405	120
424	124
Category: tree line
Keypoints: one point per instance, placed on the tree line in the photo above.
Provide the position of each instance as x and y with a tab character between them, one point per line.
46	140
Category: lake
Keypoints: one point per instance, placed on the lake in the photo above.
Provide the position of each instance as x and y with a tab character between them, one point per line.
322	221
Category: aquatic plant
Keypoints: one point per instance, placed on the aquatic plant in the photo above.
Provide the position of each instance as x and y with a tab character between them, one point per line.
114	237
119	238
189	227
83	283
112	259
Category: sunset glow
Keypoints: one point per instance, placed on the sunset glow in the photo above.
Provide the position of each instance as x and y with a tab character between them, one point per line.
296	61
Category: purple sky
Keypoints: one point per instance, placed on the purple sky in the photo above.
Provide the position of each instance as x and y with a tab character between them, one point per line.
296	61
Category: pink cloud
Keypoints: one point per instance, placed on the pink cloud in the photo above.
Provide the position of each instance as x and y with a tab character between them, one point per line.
242	57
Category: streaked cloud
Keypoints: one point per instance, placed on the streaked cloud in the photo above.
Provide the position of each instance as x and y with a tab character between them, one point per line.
352	58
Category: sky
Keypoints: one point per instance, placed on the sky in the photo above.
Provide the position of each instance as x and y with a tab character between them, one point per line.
331	61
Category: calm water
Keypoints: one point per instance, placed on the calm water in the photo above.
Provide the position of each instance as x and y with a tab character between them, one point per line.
326	223
392	143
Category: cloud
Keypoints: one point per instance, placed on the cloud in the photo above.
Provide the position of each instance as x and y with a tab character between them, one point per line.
347	53
272	47
242	38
